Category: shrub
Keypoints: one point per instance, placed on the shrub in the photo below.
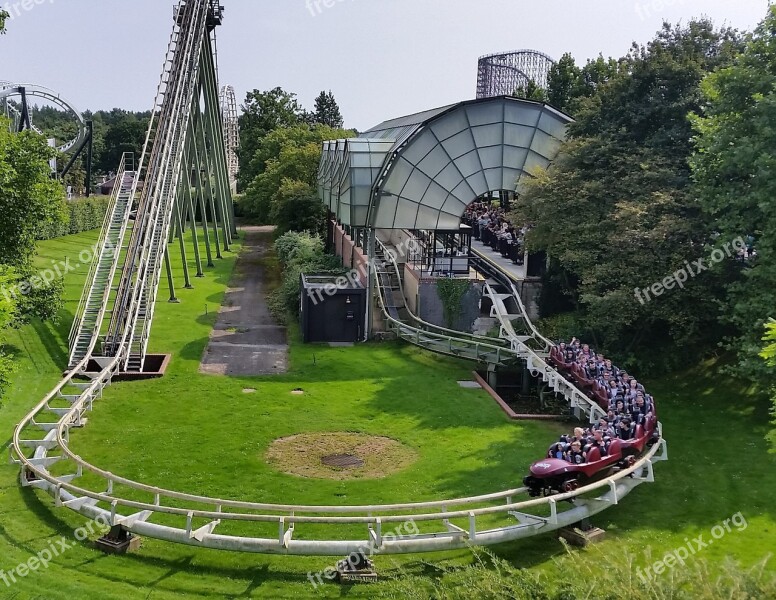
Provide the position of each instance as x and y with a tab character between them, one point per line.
299	253
606	575
83	214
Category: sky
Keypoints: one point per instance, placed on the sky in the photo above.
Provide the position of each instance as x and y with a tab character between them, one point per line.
381	58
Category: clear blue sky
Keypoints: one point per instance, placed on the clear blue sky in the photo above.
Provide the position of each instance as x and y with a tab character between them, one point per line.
381	58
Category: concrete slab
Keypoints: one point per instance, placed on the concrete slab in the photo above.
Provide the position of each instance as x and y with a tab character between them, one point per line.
470	385
246	340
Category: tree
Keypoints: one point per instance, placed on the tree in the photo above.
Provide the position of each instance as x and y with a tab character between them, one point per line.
124	132
530	91
292	153
327	111
616	212
29	197
3	17
769	354
29	201
735	175
562	82
263	112
296	207
7	316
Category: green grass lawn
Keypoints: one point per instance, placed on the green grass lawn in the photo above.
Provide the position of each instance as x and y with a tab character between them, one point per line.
201	434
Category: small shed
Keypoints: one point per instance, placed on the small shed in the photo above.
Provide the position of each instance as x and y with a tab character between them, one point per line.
333	309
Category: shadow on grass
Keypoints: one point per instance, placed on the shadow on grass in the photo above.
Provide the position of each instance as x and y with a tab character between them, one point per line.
182	565
53	340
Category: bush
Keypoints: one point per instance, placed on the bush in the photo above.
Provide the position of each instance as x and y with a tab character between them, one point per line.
606	575
299	253
83	214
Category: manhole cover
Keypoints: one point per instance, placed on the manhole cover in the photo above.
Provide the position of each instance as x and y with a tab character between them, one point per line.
343	461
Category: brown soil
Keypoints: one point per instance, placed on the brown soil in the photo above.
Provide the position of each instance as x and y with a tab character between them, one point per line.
301	455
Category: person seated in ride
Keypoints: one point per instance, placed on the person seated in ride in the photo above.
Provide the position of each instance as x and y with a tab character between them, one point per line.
625	430
570	355
575	455
612	390
591	369
600	441
604	427
579	435
639	410
633	391
557	450
619	407
650	402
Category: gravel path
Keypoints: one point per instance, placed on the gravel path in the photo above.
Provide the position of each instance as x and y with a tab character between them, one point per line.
246	339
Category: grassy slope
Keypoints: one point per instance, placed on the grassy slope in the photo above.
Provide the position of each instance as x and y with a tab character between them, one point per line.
718	468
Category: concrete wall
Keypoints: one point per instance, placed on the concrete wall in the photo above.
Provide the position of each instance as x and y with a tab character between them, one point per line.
530	291
411	288
352	257
432	310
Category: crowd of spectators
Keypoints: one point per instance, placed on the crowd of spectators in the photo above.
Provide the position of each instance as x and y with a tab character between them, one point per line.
491	225
629	407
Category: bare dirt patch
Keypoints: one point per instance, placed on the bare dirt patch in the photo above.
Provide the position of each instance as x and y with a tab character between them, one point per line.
303	455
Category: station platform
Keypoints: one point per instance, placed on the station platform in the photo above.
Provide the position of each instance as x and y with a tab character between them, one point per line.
516	272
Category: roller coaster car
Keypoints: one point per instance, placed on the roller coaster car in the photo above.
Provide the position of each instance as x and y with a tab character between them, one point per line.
556	476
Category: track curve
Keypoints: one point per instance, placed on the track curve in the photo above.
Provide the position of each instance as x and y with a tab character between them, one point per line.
200	515
10	90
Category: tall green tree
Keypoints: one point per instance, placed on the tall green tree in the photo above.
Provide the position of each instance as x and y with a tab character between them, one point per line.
7	317
735	175
562	82
263	113
123	132
29	201
531	91
769	354
616	212
296	207
293	154
327	111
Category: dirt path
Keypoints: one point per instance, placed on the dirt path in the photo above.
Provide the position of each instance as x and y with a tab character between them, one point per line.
246	339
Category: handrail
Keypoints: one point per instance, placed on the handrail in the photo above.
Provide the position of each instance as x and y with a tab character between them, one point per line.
98	256
507	281
425	324
163	163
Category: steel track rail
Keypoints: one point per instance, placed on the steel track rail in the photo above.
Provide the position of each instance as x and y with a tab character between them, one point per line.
453	523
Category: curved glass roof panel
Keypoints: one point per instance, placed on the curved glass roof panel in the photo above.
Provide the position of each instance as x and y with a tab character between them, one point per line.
423	170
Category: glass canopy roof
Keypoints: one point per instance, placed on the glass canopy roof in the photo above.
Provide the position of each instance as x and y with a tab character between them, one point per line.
422	171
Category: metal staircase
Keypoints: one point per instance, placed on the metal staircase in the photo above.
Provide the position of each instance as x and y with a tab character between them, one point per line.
91	309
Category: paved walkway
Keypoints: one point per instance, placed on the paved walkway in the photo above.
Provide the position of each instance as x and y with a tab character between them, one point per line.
246	339
517	271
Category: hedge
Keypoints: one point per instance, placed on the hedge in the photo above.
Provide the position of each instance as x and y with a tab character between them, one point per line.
83	214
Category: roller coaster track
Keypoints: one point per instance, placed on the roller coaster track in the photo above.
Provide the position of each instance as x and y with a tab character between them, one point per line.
22	91
177	140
